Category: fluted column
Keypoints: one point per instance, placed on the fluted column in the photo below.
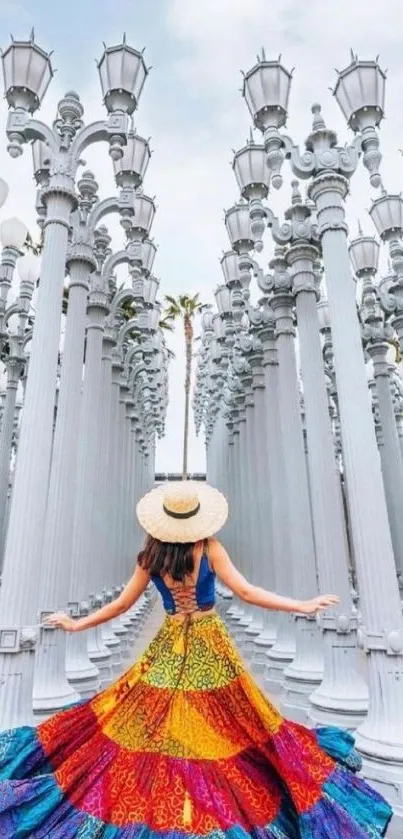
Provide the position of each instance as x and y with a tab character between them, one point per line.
282	652
305	672
82	672
121	557
380	737
129	500
254	615
124	422
264	560
262	624
234	506
342	697
106	497
99	652
22	559
138	531
391	459
242	553
236	494
229	442
247	483
52	691
117	626
14	367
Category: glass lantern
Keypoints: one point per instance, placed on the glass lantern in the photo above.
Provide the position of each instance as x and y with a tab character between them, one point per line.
122	71
13	233
230	268
364	255
323	314
3	191
266	89
387	214
360	93
132	166
238	224
144	212
251	171
27	72
223	300
149	251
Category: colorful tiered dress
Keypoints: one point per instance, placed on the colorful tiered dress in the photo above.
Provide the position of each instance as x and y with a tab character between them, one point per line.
184	745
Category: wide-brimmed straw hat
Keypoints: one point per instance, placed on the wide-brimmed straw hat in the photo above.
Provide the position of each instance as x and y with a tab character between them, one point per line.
182	511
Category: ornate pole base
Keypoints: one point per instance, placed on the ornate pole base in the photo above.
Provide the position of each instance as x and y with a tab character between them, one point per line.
235	609
100	655
305	673
82	674
387	778
113	644
127	622
16	682
281	654
246	618
52	691
342	698
123	634
380	737
262	643
249	637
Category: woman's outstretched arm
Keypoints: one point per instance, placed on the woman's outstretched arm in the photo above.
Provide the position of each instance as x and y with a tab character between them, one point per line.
232	578
129	596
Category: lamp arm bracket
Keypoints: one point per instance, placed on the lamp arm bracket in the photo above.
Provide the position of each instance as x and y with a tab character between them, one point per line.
102	209
129	328
19	122
281	231
117	125
388	301
113	260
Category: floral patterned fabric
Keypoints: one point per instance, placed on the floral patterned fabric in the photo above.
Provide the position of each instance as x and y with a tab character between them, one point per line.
184	745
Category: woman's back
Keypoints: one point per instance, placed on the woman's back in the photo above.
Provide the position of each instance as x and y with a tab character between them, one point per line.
195	592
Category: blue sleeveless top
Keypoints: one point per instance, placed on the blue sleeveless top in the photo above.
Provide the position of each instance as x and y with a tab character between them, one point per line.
180	598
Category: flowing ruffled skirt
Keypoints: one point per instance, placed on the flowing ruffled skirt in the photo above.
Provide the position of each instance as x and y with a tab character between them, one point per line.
184	744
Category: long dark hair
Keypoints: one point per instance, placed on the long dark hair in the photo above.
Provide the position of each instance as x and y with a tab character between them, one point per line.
173	558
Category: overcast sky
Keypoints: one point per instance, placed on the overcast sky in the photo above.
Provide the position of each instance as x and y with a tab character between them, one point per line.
192	108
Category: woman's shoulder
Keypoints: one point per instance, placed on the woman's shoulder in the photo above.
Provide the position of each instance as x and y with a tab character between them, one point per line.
213	543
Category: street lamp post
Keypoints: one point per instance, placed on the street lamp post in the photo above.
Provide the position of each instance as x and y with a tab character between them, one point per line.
27	73
342	697
52	690
305	672
282	652
16	318
236	266
376	333
12	234
266	637
108	343
360	94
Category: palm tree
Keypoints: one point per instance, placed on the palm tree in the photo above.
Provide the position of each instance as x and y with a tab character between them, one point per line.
34	247
128	311
185	308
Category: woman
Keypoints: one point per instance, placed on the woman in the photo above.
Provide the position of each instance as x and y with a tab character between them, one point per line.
184	743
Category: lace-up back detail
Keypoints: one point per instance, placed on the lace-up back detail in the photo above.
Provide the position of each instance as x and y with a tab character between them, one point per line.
184	599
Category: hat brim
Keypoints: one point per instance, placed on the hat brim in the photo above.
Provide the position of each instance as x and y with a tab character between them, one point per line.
210	518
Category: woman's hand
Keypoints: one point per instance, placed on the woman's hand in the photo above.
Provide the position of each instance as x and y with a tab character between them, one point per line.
60	620
318	604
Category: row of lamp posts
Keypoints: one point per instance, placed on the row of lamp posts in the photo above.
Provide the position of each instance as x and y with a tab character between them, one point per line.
316	494
80	467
